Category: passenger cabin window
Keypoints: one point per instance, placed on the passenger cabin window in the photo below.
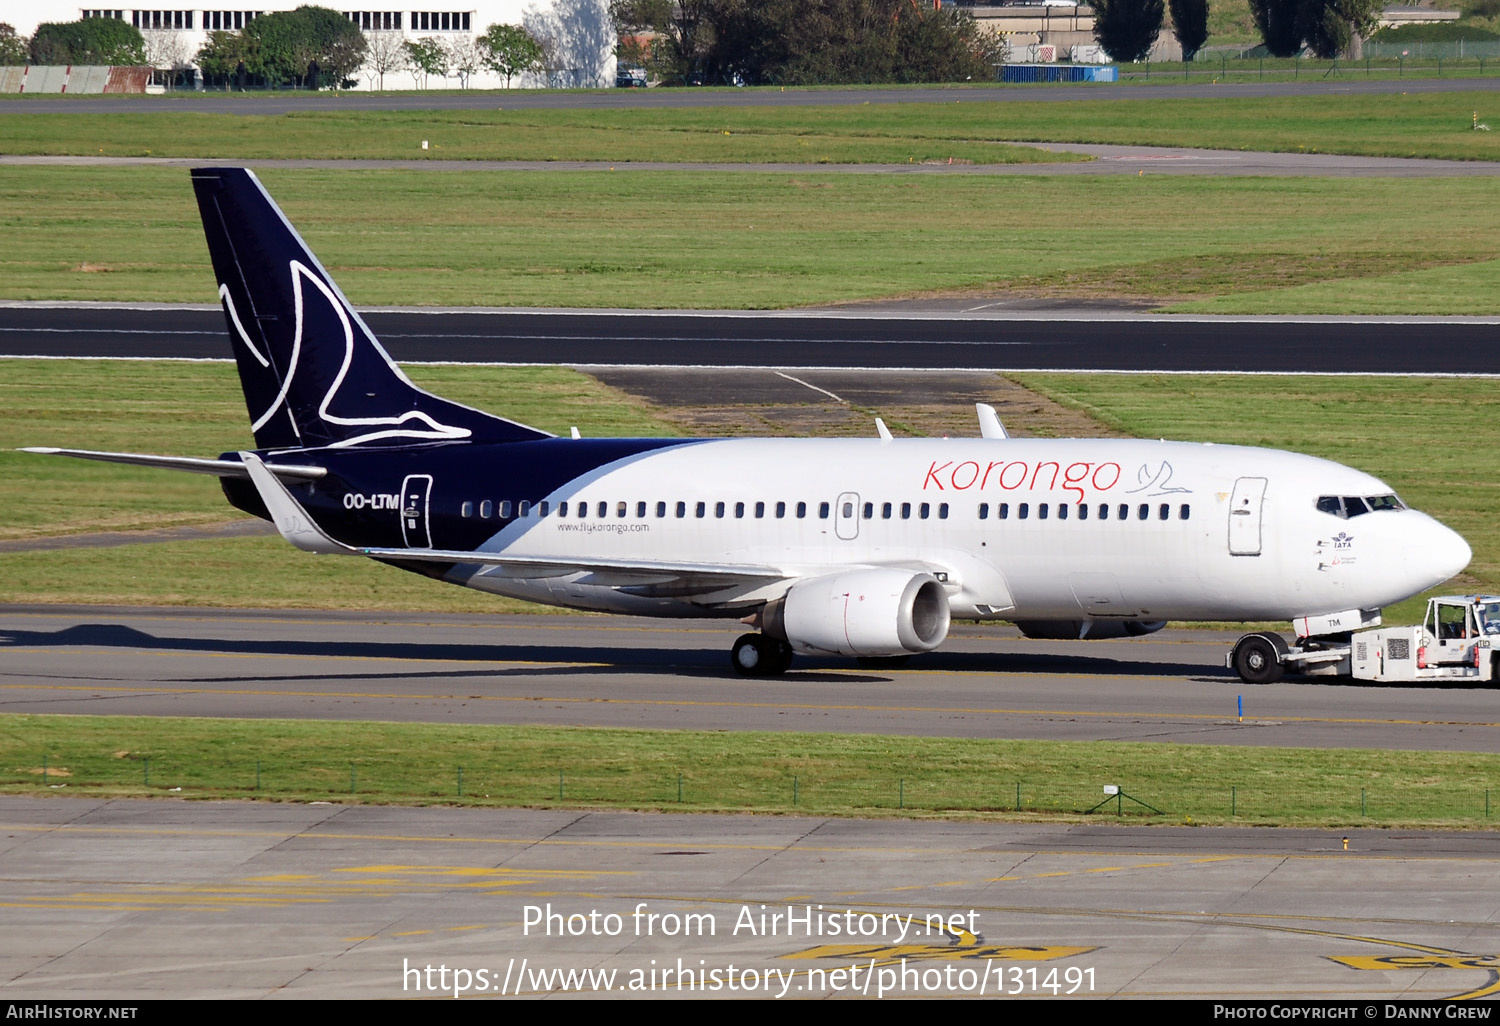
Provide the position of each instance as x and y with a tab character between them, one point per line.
562	508
486	509
822	511
640	509
661	509
780	510
701	510
984	511
801	510
760	510
504	509
681	510
466	510
885	511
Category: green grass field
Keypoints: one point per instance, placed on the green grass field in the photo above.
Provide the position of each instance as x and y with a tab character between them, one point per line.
809	774
690	239
972	128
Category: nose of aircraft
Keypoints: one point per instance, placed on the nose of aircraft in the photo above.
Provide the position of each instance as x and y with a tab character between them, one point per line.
1440	551
1452	551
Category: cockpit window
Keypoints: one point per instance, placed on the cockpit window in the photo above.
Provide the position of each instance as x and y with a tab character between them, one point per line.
1346	506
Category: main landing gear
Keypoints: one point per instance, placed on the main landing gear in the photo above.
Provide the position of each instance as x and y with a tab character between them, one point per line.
758	655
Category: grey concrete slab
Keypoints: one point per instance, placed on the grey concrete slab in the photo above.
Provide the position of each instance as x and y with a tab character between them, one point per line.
342	905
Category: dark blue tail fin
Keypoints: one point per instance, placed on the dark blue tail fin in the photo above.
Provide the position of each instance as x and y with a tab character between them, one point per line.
313	372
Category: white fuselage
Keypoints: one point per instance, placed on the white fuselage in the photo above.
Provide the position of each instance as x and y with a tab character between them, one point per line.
1017	529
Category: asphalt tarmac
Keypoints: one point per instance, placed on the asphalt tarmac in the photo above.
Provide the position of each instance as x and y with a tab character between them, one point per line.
980	336
131	900
986	681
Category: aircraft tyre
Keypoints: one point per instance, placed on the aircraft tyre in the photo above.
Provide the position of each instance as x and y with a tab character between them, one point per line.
756	655
1257	658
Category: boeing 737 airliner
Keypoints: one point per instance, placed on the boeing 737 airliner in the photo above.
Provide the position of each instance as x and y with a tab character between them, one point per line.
862	548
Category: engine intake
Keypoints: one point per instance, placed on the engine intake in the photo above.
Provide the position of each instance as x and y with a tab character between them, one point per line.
862	613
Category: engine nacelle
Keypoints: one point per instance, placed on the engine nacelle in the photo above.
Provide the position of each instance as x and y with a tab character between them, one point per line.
1089	630
861	613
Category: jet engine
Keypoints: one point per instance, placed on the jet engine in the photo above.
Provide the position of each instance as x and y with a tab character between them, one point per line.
1090	630
868	613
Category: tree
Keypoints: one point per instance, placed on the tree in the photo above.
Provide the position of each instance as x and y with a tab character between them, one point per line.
681	28
384	54
1127	29
464	58
1276	20
424	57
1189	25
220	56
793	42
1326	27
166	50
510	50
282	45
1332	27
90	41
14	49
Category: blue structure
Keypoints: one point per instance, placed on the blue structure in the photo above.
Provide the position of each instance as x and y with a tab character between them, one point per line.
1059	73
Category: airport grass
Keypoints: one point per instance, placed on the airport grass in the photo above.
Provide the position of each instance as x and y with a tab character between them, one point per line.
760	772
1400	429
196	409
973	128
767	240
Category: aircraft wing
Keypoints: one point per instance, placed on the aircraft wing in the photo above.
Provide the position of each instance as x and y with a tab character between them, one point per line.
632	571
193	465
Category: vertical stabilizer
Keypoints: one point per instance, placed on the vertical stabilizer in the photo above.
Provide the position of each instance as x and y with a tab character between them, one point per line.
312	371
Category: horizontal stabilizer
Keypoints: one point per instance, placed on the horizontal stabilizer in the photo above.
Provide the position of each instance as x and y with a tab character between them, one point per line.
193	465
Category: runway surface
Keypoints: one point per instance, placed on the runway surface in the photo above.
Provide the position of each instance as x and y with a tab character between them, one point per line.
127	900
979	336
615	99
986	681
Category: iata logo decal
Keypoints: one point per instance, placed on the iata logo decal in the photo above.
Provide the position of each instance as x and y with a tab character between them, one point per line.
1343	541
